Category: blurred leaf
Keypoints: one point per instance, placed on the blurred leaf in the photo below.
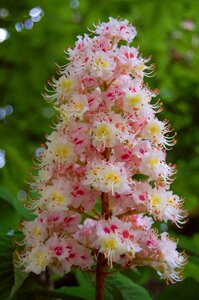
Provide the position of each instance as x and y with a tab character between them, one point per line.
140	275
19	279
79	292
9	218
6	267
124	289
85	290
189	244
45	294
186	290
192	268
7	196
85	280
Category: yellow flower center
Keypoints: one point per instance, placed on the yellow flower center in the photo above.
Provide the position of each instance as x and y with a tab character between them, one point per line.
109	243
155	200
112	177
66	84
134	100
77	105
140	67
62	151
36	231
101	63
57	197
171	201
41	259
153	161
103	131
155	129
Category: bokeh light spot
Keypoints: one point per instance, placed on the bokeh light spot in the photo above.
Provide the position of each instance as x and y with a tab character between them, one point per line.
28	24
4	12
9	110
2	113
22	195
4	34
74	4
2	158
19	26
48	112
36	11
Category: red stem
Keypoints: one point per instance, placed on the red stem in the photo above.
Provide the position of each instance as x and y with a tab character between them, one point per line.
100	276
101	260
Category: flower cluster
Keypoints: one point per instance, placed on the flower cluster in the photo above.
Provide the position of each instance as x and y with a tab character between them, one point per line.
103	179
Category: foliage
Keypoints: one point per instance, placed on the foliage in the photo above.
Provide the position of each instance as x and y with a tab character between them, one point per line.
27	59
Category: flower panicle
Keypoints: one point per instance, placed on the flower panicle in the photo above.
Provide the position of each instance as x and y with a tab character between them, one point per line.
102	178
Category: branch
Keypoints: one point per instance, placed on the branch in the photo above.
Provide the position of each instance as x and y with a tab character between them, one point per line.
128	213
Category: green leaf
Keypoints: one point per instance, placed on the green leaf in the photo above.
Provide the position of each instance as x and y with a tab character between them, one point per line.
140	177
85	280
188	289
123	288
85	290
38	293
6	266
108	292
19	279
6	195
9	218
80	292
189	244
192	268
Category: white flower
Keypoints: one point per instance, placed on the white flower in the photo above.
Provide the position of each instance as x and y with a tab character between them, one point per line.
107	177
63	87
104	134
110	130
56	196
37	259
172	260
116	238
35	232
75	107
153	164
164	205
60	150
102	65
157	131
117	30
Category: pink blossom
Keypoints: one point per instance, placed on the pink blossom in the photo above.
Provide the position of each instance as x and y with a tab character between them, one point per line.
103	177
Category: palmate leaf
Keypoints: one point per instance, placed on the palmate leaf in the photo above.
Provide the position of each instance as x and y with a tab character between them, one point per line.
6	267
85	290
11	213
11	278
19	279
119	287
80	293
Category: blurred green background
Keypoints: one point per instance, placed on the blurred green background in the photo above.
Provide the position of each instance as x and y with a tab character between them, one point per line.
33	36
